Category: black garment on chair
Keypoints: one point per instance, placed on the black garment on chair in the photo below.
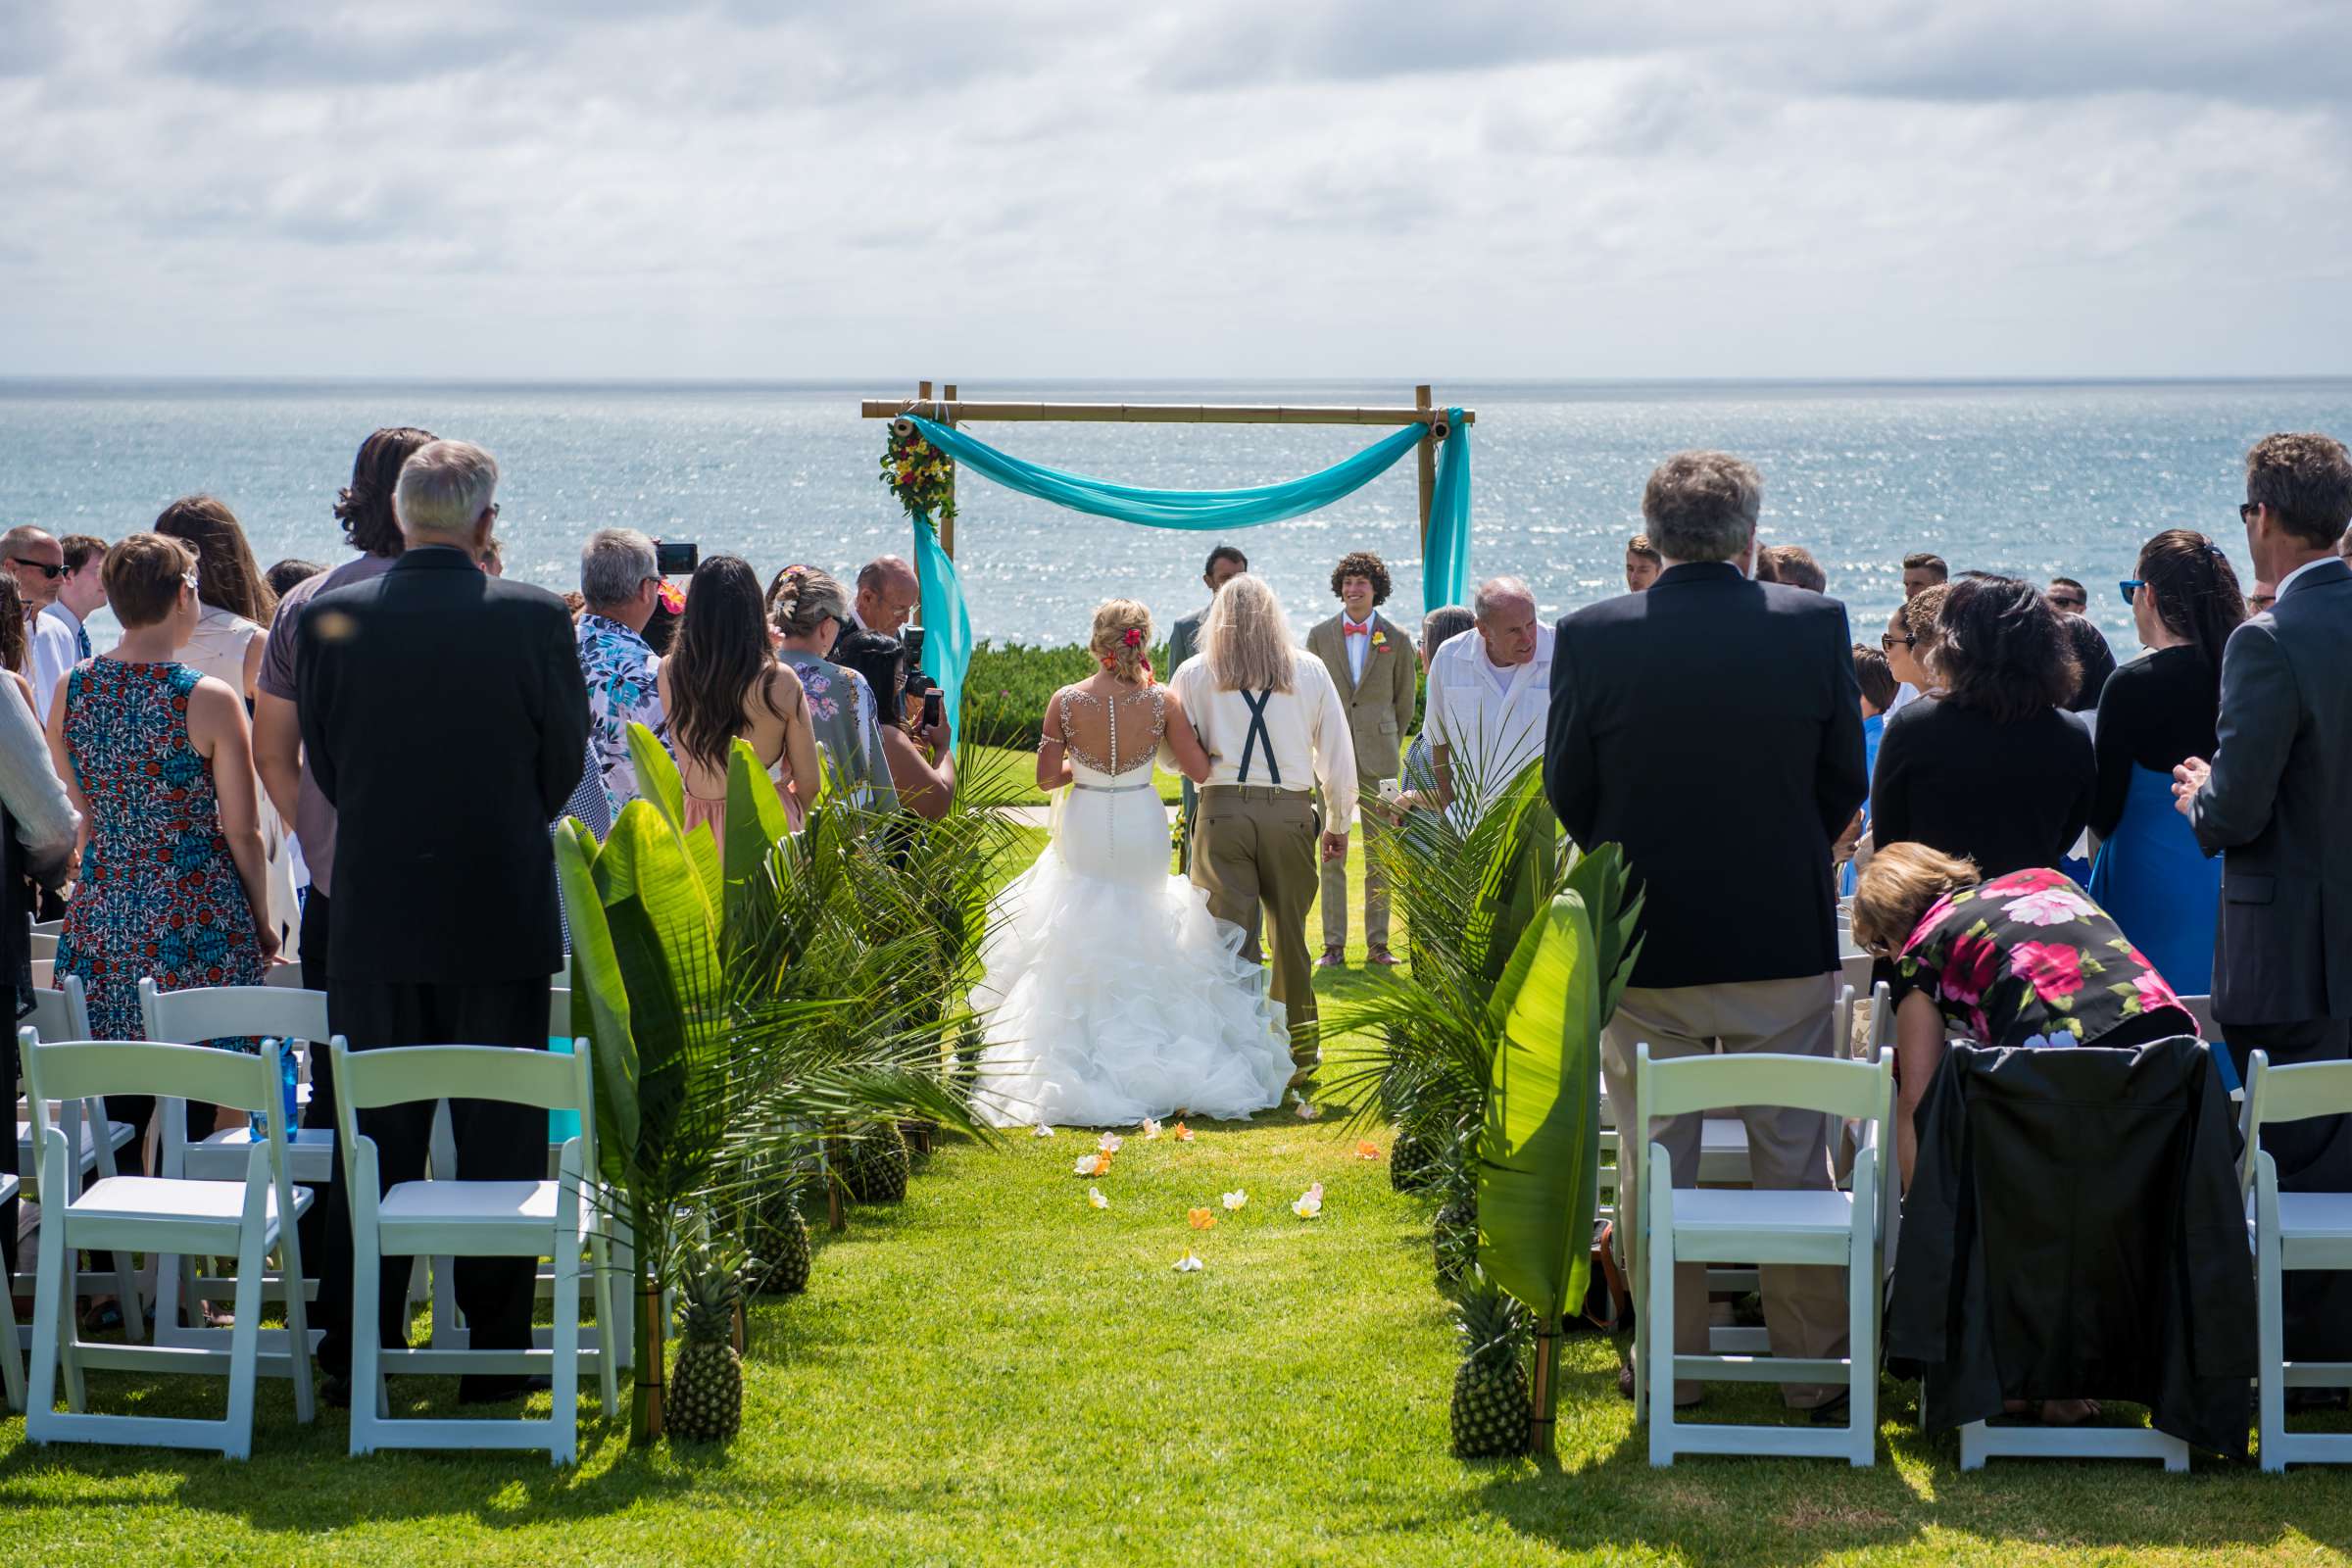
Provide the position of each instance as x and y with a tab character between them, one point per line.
2074	1230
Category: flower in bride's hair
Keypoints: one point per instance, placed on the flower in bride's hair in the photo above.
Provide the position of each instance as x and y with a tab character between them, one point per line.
1043	1131
1189	1264
1133	637
1111	1142
1151	1129
1235	1200
1094	1198
1202	1219
1097	1165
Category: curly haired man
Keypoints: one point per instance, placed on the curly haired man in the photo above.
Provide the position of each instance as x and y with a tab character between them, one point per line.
1371	661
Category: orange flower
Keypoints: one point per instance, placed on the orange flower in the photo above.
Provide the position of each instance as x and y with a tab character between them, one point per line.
1182	1134
1204	1220
1365	1149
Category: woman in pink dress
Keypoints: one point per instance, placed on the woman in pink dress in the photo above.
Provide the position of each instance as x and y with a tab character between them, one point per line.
721	681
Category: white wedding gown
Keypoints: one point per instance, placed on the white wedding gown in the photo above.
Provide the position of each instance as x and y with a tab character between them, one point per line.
1110	993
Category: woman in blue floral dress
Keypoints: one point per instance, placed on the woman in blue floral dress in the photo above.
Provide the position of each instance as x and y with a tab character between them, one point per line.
159	760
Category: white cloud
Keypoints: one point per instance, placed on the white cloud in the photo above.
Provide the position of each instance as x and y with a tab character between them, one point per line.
1223	188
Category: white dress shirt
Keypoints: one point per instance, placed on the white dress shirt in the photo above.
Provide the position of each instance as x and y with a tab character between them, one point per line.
1491	719
53	648
1307	725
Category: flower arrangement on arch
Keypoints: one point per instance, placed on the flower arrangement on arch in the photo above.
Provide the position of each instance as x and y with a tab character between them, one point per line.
918	473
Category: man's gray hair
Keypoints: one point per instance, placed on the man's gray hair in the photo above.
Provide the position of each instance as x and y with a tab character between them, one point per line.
1702	505
1443	624
444	489
615	564
1496	592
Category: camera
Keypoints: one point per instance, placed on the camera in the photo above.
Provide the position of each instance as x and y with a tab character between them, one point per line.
676	557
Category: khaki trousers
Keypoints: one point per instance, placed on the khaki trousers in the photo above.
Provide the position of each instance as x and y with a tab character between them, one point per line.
1253	851
1376	888
1804	1307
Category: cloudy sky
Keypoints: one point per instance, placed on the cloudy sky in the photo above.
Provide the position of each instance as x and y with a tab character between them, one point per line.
495	189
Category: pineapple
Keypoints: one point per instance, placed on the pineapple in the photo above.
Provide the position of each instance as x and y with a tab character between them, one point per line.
874	1163
1492	1413
705	1402
782	1244
1412	1163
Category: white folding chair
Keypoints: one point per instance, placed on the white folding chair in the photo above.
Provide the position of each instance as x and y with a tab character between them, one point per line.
11	1355
447	1217
213	1013
154	1213
2292	1231
449	1322
1709	1225
64	1013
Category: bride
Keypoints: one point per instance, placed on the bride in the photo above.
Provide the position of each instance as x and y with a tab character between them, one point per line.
1110	993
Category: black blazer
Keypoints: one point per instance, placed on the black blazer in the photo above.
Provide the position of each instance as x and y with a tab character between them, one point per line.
2010	796
1712	726
2276	808
445	718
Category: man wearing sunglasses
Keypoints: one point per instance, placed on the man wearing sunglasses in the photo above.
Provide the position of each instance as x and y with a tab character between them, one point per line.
37	562
2067	596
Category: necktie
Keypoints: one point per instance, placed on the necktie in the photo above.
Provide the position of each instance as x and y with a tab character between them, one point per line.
81	640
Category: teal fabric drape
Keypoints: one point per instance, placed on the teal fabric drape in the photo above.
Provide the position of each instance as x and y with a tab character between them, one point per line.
947	630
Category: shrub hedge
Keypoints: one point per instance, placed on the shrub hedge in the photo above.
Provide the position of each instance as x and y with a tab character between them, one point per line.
1006	692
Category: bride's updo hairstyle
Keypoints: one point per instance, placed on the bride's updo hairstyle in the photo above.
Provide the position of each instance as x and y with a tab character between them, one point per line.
1121	638
1246	639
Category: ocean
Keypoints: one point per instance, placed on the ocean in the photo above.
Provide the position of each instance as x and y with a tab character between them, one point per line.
2032	477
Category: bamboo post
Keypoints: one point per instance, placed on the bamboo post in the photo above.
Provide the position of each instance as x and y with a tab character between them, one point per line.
1541	1436
1428	464
947	520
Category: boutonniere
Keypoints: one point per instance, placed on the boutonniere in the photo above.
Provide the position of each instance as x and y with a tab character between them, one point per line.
1380	640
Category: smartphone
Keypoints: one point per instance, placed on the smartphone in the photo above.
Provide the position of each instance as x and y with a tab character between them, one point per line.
1389	789
931	709
676	557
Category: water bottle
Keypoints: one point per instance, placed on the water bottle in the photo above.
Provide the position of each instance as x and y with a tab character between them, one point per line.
287	1080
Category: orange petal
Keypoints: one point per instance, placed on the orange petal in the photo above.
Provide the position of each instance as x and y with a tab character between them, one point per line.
1203	1218
1366	1151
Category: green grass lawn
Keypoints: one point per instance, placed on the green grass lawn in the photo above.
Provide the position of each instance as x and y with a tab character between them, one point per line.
996	1373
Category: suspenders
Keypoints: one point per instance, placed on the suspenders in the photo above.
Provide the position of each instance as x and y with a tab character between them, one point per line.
1256	702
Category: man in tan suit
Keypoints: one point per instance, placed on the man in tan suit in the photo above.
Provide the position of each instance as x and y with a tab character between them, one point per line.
1371	661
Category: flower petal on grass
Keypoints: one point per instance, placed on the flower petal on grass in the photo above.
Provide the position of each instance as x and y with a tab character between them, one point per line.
1043	1131
1189	1264
1235	1200
1365	1148
1309	1206
1150	1128
1094	1197
1202	1219
1183	1134
1111	1142
1308	1111
1091	1165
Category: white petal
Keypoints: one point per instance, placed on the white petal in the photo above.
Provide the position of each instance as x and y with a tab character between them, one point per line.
1043	1131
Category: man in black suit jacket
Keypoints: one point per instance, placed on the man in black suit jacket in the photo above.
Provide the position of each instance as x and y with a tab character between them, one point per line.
444	718
1712	726
2273	803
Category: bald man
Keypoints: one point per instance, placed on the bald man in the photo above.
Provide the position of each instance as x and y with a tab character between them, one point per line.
888	596
1489	694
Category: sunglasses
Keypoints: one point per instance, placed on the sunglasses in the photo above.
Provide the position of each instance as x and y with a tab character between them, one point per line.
2068	601
42	567
2246	510
1890	640
2131	587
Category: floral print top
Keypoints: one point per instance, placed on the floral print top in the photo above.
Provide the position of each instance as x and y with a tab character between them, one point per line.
619	667
2028	960
840	710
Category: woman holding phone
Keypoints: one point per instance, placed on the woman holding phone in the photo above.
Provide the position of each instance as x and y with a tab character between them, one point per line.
912	722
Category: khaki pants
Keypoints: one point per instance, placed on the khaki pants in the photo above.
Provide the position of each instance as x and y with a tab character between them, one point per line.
1804	1306
1376	888
1253	851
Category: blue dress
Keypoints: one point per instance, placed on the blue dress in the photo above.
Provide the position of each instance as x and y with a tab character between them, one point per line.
1874	725
2161	888
158	892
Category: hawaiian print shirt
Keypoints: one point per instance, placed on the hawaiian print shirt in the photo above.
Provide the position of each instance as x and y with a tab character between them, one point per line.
2028	960
619	667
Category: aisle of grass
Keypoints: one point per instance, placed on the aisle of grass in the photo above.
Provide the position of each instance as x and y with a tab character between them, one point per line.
1020	768
997	1373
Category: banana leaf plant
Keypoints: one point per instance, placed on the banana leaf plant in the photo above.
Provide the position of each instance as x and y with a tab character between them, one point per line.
729	997
1539	1149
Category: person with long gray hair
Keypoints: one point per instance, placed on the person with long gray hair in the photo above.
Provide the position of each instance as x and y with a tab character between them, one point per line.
1273	726
621	583
1712	727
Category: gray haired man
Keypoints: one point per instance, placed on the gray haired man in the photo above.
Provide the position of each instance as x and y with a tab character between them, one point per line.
621	583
